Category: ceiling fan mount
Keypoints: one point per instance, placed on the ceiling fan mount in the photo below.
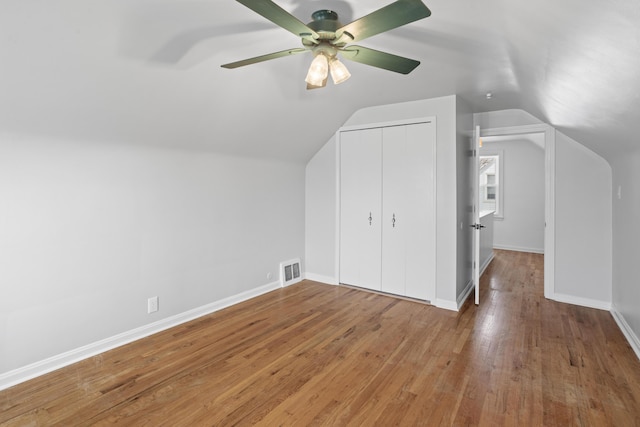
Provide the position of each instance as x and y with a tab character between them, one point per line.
325	23
325	36
324	14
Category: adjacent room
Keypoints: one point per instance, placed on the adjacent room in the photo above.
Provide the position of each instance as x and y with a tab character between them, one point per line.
258	212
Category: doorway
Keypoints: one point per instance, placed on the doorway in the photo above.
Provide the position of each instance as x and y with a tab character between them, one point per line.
512	186
542	136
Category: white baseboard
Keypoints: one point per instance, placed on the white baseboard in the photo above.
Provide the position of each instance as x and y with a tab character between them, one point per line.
468	289
519	249
628	333
16	376
584	302
446	304
465	293
320	278
484	266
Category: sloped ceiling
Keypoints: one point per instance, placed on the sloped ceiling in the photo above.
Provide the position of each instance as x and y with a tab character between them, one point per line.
145	72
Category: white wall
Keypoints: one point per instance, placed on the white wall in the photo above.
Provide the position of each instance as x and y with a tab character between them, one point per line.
522	225
583	216
504	118
320	215
322	222
583	220
89	231
626	250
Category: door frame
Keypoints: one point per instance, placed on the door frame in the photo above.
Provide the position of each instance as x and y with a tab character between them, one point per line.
475	194
549	185
401	122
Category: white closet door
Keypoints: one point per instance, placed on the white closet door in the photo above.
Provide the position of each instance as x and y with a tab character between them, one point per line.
420	167
360	206
395	226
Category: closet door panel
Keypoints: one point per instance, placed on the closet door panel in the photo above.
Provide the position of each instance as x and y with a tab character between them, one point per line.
421	244
369	215
388	209
360	207
349	194
394	195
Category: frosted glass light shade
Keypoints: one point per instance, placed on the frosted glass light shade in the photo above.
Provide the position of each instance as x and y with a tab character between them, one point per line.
318	70
339	72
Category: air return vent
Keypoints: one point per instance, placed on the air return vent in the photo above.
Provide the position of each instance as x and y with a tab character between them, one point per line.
290	272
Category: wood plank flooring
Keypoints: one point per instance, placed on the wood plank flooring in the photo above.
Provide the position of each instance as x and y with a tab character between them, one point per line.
314	354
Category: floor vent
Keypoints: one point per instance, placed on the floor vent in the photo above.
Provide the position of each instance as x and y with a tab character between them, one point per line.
290	272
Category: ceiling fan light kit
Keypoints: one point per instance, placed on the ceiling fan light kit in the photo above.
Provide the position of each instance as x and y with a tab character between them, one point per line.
318	70
325	36
339	72
326	61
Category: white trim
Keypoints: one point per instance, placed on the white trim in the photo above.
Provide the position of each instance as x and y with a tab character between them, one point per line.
498	213
402	122
338	195
470	287
484	266
465	293
321	278
628	333
550	211
518	249
434	230
446	304
16	376
425	119
584	302
549	205
515	130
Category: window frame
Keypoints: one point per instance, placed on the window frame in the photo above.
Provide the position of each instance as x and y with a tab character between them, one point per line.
499	202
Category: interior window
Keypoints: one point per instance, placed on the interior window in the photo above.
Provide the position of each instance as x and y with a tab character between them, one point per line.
490	182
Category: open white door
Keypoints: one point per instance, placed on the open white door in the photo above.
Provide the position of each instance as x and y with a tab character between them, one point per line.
475	194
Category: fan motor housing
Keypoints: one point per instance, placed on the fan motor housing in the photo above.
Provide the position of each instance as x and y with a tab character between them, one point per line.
325	21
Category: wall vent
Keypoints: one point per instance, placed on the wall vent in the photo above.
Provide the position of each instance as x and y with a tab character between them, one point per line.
290	272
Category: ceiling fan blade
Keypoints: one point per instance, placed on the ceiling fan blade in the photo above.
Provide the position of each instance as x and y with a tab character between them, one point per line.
281	17
383	60
392	16
266	57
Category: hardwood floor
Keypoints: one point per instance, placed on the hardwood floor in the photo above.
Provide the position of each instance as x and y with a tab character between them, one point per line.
314	354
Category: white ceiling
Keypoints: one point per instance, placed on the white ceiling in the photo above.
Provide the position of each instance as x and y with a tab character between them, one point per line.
148	72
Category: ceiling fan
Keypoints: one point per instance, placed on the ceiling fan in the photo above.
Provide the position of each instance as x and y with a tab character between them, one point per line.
325	37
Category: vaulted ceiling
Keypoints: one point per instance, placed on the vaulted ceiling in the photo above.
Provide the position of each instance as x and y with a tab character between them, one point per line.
147	72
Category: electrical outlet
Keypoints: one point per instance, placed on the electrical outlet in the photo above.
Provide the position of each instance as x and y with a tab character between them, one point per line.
152	305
